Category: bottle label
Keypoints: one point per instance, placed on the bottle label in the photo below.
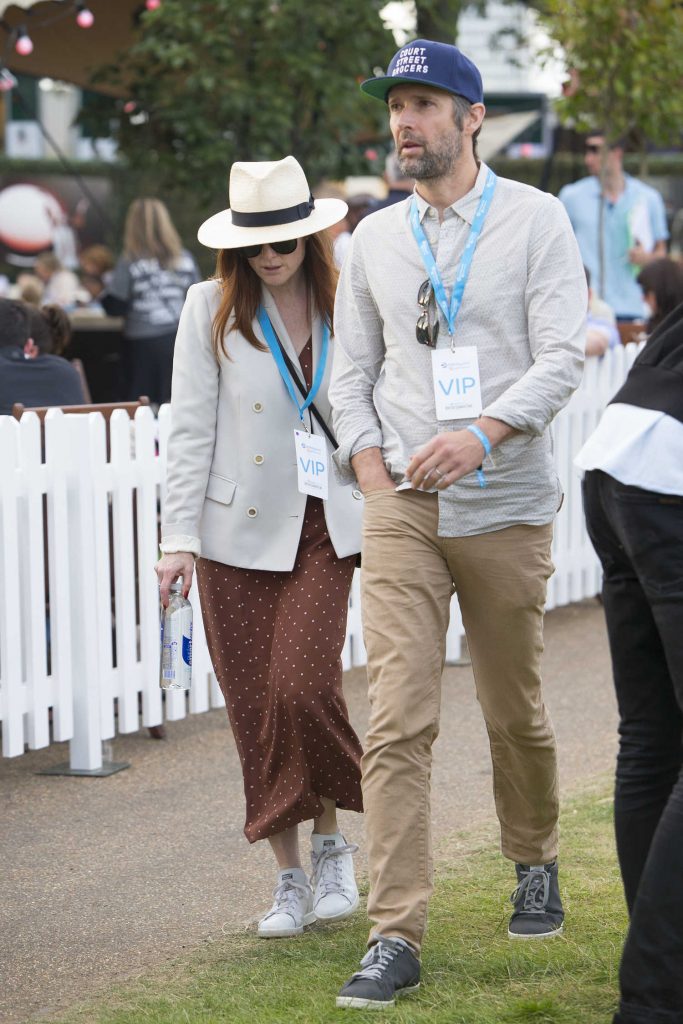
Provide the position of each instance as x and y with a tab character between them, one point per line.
176	648
187	648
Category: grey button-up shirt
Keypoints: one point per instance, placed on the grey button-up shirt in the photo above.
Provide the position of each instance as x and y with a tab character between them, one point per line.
524	309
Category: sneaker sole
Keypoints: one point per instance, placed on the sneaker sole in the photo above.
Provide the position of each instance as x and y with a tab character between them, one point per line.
287	933
353	907
541	935
355	1003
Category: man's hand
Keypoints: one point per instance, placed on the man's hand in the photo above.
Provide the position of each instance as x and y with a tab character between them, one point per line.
371	473
445	459
639	256
451	455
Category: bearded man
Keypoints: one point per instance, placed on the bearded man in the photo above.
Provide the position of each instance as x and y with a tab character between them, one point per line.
459	329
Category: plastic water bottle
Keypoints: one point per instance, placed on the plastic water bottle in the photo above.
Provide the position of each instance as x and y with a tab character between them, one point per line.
176	641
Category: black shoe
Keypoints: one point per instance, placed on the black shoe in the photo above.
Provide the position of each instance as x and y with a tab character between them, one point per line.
389	969
538	910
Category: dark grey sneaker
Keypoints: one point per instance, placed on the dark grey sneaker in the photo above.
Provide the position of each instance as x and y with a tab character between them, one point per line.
538	910
389	969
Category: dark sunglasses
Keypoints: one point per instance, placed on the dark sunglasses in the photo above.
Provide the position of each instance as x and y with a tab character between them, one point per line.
285	248
426	332
592	147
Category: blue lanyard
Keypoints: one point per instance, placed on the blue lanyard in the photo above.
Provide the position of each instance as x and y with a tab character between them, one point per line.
271	341
463	271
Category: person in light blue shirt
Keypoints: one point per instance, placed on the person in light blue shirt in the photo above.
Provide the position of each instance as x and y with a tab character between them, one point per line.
634	231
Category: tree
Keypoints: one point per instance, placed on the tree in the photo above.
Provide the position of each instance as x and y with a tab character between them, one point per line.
220	81
626	60
438	19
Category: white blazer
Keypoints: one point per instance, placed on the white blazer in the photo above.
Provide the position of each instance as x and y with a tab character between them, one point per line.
231	475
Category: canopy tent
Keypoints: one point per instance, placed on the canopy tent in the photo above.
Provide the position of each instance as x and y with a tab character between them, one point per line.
63	50
500	131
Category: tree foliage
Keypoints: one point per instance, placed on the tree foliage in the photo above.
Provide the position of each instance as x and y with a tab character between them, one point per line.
220	81
626	59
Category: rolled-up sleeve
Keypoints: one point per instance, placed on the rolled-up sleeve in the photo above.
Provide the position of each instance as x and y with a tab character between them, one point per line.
358	358
556	300
194	402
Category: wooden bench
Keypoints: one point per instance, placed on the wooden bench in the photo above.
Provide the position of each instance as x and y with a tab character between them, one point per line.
106	408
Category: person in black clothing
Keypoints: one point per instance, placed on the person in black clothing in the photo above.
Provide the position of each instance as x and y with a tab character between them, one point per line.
26	375
633	498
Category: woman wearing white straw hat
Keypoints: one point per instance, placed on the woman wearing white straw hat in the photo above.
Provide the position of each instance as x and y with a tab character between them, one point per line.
252	489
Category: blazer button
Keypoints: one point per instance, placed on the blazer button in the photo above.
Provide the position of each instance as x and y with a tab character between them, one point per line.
259	459
252	512
357	494
257	407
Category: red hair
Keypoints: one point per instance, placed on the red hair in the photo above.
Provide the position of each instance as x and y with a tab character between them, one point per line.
241	290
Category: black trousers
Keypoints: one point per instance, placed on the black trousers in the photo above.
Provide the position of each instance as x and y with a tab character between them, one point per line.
150	366
638	536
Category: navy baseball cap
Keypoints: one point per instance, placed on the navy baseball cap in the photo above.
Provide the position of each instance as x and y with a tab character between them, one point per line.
437	64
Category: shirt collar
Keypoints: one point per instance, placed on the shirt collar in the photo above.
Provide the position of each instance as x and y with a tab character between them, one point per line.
465	207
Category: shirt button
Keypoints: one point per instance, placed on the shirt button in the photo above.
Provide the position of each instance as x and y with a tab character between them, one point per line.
252	512
357	495
257	407
258	459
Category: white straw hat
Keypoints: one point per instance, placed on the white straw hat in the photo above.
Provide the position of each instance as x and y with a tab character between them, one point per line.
270	201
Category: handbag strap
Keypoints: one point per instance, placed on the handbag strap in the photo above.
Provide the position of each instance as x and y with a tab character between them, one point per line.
304	392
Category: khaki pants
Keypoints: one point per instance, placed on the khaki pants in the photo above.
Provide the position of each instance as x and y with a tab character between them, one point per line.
409	574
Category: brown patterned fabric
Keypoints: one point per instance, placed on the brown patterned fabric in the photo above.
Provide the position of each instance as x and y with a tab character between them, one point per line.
275	640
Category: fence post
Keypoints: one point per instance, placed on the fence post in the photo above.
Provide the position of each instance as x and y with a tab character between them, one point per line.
12	690
75	456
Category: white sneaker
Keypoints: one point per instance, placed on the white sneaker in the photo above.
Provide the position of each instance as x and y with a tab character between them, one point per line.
335	893
292	909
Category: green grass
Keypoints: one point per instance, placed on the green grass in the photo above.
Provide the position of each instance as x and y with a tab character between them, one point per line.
472	973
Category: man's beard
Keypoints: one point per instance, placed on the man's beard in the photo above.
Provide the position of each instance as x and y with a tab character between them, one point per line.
436	162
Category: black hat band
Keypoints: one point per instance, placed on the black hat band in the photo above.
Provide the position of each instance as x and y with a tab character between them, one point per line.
272	217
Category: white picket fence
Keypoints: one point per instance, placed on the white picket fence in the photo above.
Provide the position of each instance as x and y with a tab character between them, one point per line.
79	614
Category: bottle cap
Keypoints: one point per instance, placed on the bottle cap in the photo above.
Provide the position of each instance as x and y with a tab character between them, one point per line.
177	587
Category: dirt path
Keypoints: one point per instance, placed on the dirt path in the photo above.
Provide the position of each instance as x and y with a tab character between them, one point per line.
103	877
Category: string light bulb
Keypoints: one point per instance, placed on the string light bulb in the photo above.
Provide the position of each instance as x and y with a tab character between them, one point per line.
24	44
152	5
85	17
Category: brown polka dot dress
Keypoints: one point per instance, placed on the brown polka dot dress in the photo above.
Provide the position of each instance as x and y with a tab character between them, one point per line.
275	640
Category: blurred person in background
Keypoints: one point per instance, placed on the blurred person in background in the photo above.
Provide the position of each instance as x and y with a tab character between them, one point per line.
601	327
634	227
359	207
96	264
399	185
662	284
28	288
27	374
61	287
340	233
50	328
148	287
277	554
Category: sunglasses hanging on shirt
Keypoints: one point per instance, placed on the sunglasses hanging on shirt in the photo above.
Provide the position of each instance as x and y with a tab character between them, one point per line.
426	329
285	248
